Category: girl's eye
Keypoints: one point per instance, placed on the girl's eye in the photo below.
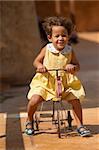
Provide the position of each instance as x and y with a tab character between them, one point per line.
64	35
57	36
61	35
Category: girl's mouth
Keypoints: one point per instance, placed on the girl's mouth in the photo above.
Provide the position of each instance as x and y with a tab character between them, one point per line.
60	42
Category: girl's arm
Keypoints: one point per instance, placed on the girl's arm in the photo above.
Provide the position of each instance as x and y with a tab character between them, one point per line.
38	62
75	62
74	65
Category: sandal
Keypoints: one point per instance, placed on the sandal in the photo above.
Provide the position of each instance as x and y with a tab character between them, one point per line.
29	130
83	131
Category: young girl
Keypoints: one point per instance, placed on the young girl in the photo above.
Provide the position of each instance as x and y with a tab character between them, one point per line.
57	54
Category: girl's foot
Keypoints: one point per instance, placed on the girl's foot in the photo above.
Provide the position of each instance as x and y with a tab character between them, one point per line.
83	131
29	128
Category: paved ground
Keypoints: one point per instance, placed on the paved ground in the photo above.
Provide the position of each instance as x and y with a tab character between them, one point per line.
13	110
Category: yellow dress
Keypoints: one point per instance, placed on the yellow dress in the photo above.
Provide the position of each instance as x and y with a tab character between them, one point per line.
44	84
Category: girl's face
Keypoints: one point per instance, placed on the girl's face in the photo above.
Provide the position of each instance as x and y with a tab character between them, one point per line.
59	37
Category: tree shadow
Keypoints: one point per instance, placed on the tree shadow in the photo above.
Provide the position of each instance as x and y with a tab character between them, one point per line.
14	139
93	128
13	101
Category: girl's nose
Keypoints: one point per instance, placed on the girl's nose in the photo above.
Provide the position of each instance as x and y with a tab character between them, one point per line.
60	37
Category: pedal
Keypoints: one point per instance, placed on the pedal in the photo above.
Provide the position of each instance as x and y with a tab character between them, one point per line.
47	115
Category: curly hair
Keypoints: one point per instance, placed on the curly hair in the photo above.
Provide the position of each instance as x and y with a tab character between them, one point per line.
57	21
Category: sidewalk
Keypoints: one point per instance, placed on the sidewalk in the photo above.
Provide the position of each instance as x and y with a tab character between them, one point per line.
91	36
13	113
12	136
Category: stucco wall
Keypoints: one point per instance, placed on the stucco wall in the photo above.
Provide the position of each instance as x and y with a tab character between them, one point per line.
19	41
86	12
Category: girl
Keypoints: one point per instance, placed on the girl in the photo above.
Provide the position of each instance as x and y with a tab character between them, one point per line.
56	54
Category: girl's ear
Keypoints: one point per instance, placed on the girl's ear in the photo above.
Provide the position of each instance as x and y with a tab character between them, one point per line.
49	38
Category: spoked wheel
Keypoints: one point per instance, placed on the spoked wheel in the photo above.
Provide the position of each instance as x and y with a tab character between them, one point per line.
58	118
69	120
36	119
59	123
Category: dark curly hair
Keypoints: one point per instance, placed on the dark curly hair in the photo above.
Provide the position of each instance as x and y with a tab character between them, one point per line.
57	21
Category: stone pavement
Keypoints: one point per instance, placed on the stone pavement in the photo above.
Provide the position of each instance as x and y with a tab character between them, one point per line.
13	114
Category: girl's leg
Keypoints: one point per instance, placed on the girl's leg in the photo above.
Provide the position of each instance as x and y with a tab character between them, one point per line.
77	111
32	106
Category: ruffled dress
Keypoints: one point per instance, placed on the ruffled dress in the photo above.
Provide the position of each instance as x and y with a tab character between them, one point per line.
44	84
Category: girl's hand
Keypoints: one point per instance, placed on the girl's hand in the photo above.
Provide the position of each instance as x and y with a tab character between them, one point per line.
70	68
41	68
